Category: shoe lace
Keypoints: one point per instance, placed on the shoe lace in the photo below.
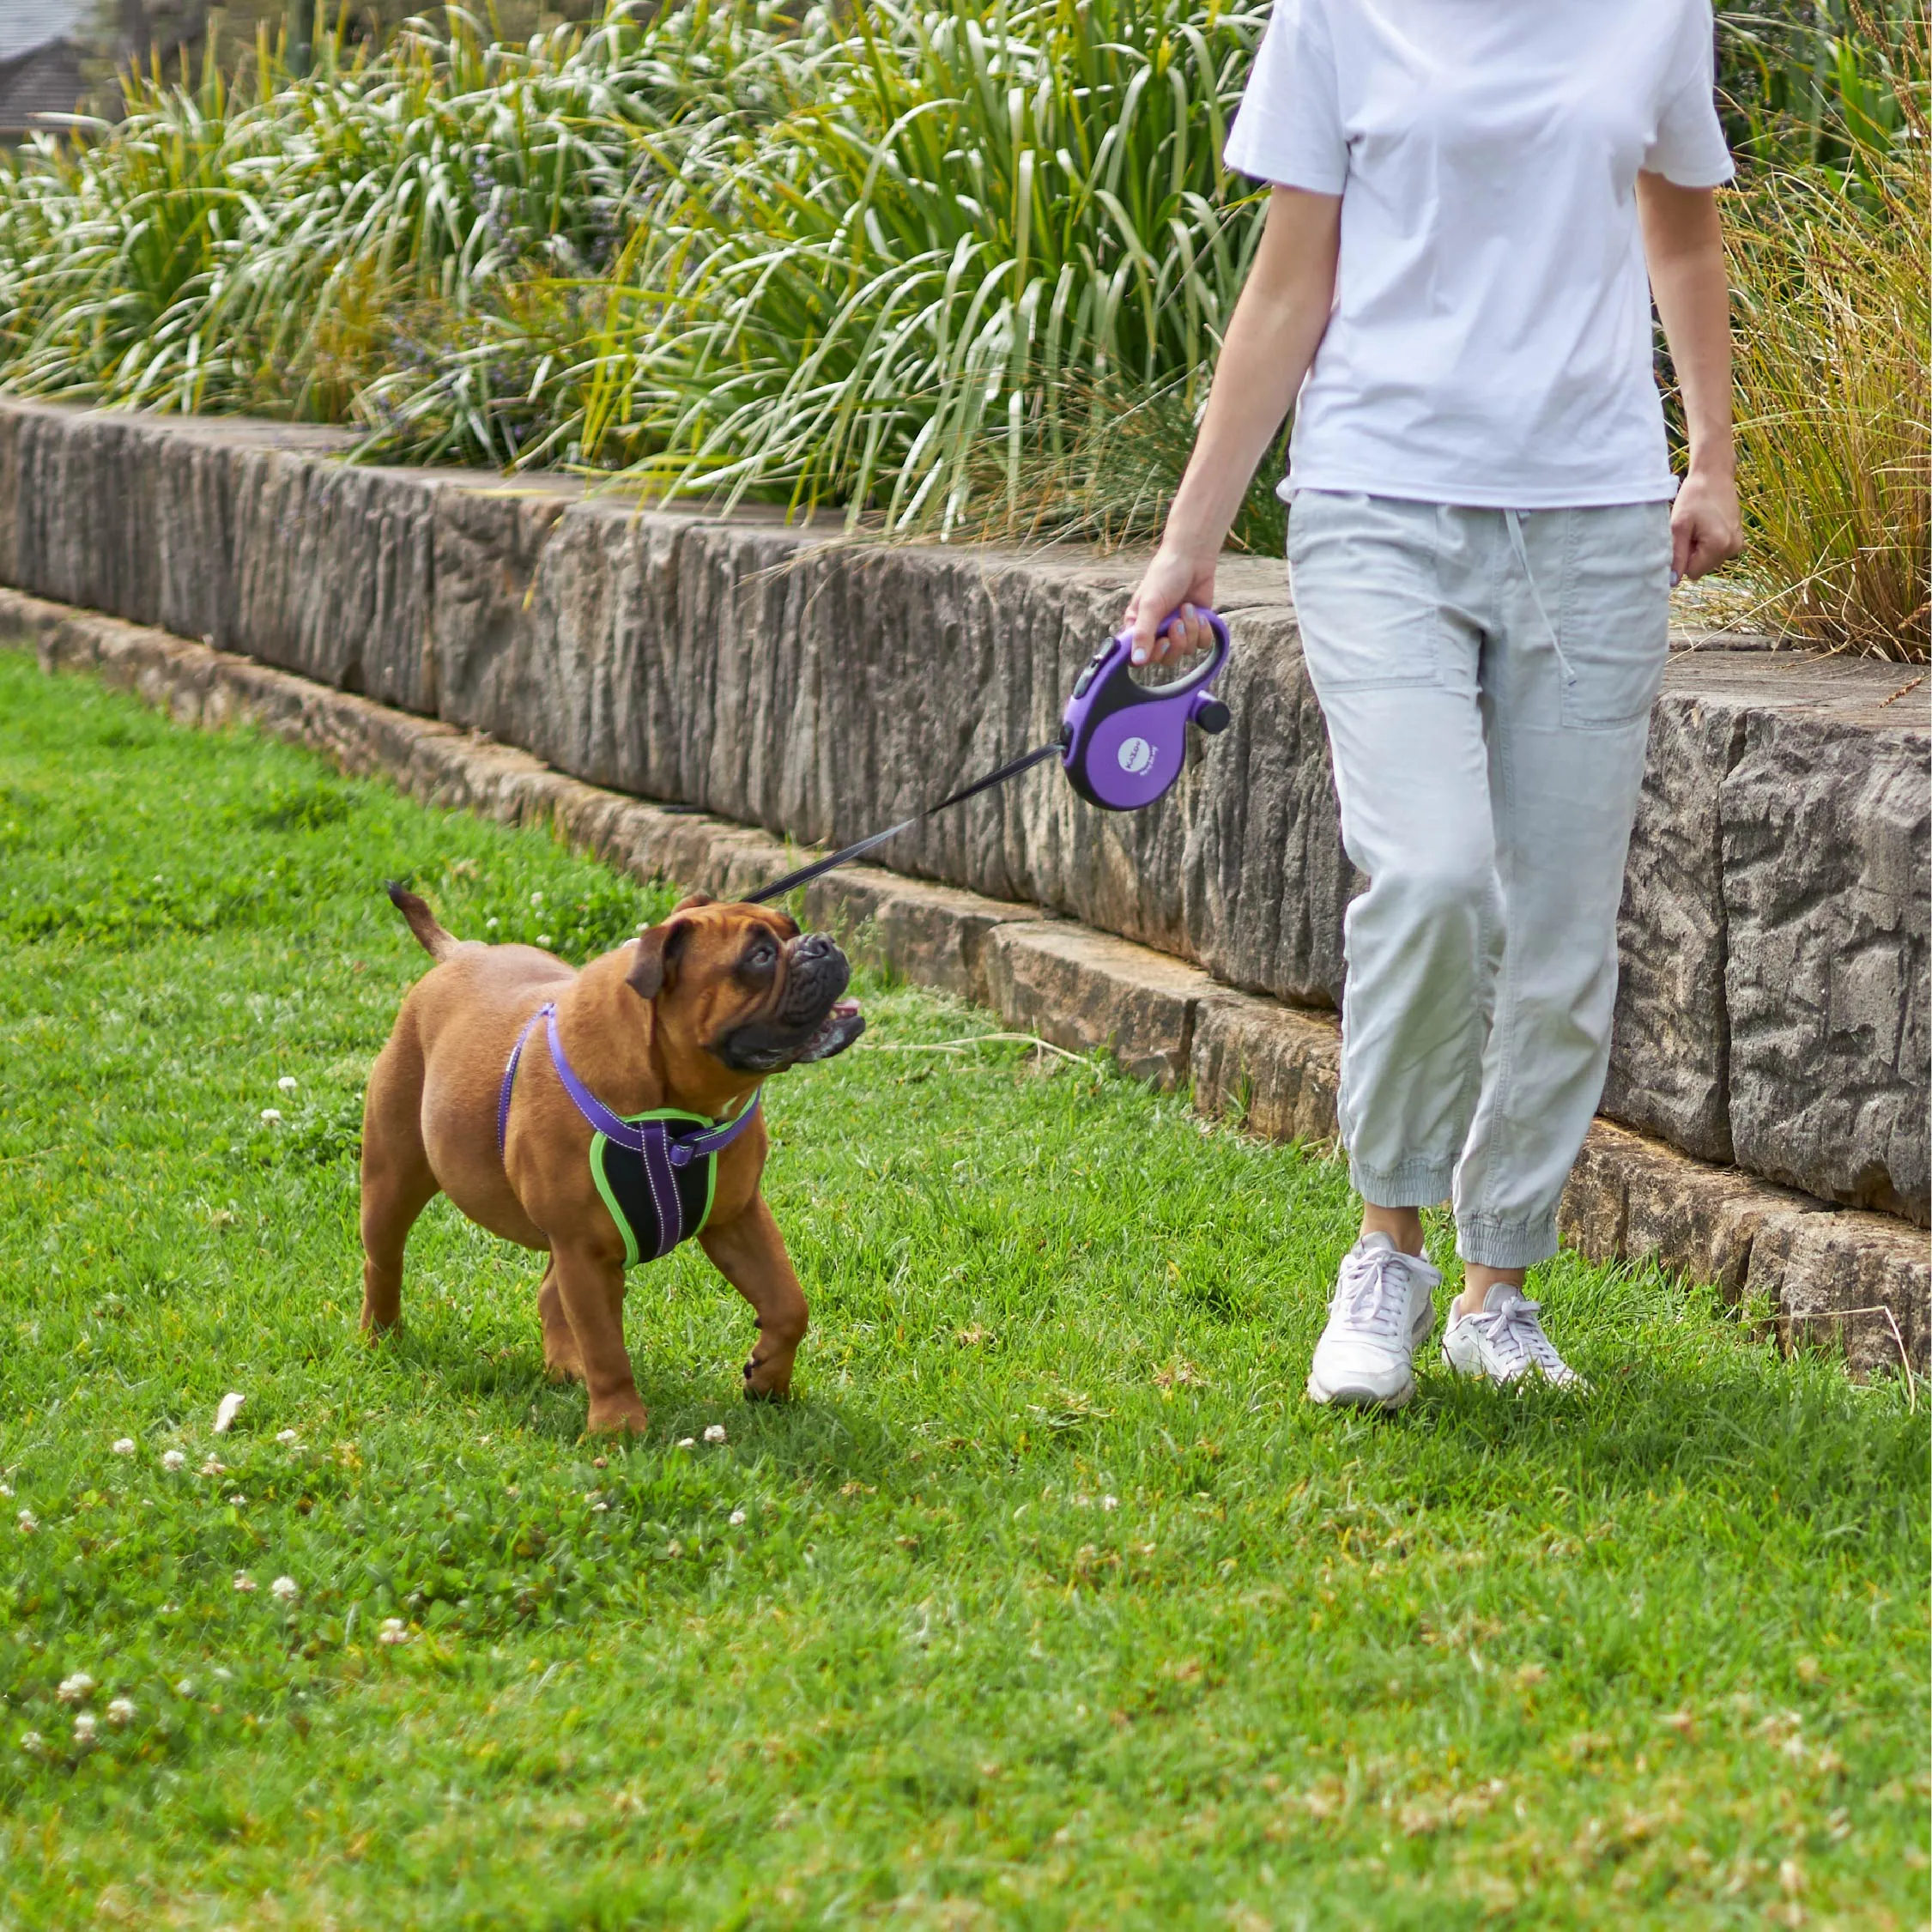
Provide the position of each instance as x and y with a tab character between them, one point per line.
1516	1337
1372	1294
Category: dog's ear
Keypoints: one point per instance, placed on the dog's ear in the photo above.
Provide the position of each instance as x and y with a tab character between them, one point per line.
657	950
691	902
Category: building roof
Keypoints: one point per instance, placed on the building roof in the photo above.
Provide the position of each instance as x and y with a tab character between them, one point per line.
47	80
27	24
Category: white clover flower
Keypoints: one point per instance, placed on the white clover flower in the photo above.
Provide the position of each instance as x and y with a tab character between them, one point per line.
736	1518
286	1588
1110	1502
271	1117
123	1445
288	1436
84	1727
599	1509
683	1442
76	1689
226	1409
28	1523
185	1688
120	1712
393	1631
542	939
6	1489
223	1675
32	1743
244	1582
715	1433
287	1083
536	899
172	1459
238	1500
491	924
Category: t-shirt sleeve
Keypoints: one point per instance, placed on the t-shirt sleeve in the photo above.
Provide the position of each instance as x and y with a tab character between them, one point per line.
1288	127
1690	148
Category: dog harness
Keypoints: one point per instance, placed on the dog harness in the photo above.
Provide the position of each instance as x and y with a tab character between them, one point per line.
657	1170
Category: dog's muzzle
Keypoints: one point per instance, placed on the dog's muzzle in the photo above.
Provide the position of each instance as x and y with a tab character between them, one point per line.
812	1020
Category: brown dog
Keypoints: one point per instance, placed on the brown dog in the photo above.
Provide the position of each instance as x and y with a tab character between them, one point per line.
693	1015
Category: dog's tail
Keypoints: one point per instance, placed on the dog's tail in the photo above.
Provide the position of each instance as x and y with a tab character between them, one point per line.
434	940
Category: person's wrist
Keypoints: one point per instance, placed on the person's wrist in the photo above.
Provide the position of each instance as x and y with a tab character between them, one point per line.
1186	551
1713	466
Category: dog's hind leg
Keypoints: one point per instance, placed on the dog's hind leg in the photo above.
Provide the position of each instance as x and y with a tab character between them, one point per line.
397	1182
391	1204
748	1251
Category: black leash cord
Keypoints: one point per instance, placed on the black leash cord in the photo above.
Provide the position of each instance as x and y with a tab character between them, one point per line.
818	867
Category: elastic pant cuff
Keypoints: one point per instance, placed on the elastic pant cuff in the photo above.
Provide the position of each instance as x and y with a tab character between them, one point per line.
1495	1244
1419	1183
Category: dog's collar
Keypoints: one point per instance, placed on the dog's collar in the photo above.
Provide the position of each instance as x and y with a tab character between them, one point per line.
663	1152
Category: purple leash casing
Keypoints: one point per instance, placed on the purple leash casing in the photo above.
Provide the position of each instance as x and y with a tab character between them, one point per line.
1124	744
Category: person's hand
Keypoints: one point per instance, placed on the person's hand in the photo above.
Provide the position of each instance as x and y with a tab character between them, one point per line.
1705	528
1170	595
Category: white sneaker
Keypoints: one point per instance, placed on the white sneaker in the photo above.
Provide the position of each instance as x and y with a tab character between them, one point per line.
1506	1343
1382	1313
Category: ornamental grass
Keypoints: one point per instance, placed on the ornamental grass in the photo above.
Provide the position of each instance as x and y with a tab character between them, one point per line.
954	270
1828	269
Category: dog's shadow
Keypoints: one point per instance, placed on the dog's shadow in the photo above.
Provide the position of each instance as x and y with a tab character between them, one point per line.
806	1432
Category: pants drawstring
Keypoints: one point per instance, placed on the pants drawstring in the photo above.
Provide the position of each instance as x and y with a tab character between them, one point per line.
1514	519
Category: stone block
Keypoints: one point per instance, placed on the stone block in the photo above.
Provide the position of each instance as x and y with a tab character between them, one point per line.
1856	1282
1087	992
490	542
1275	1070
1632	1198
933	935
334	573
1669	1043
1826	842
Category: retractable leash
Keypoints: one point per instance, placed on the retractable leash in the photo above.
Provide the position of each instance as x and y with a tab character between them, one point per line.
1121	744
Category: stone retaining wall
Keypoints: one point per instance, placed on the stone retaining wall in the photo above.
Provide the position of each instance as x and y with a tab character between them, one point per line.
1774	1009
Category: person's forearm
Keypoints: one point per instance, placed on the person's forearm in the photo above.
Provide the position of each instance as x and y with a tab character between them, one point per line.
1684	252
1272	336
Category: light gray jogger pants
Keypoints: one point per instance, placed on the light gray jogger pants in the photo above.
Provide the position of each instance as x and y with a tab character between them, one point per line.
1487	676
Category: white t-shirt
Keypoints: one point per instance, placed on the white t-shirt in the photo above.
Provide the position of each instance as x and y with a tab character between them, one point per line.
1490	338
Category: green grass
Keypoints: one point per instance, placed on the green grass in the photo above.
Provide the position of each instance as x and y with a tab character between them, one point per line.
1526	1660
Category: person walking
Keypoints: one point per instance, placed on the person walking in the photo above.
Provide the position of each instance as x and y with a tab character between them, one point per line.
1472	204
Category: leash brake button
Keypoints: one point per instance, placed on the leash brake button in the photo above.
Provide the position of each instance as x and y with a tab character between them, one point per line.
1214	717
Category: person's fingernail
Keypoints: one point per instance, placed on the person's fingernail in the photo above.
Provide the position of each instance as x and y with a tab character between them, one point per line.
1188	611
1139	654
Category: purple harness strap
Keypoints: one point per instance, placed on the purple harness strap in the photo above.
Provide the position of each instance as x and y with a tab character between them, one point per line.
662	1151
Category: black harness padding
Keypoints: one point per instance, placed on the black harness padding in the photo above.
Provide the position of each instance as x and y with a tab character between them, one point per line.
626	1186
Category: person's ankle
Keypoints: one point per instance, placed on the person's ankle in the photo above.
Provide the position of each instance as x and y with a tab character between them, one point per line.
1403	1226
1477	1281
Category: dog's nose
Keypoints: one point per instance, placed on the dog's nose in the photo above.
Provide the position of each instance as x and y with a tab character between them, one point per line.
812	947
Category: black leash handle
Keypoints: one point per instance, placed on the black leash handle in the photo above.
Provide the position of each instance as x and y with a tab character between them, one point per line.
819	868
